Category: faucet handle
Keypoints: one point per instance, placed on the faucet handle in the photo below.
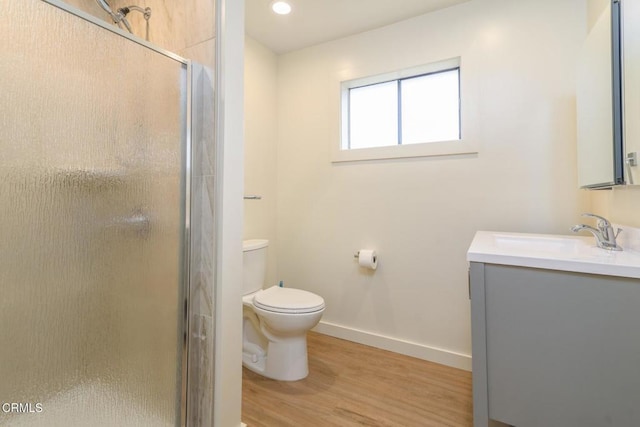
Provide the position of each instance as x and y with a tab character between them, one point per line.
602	221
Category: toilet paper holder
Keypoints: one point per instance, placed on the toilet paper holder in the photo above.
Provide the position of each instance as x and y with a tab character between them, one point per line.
356	255
367	258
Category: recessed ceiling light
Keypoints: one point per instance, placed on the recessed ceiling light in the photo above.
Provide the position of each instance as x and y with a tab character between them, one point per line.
281	7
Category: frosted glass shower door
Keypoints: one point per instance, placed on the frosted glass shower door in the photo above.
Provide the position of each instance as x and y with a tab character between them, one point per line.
92	149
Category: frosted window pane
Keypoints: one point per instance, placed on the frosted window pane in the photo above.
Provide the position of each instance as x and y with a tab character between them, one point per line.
430	108
373	115
91	126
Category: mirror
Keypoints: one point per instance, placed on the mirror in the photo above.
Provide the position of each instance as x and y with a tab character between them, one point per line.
599	107
608	96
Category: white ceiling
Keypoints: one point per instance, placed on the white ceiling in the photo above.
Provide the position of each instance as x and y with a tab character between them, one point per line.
316	21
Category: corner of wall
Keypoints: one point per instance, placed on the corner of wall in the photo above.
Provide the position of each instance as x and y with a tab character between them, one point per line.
260	157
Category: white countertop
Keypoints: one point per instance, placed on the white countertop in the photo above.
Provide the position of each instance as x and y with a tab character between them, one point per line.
554	252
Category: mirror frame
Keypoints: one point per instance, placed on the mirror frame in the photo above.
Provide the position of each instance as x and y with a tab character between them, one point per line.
617	91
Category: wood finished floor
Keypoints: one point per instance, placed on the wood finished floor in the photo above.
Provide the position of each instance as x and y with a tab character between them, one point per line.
351	384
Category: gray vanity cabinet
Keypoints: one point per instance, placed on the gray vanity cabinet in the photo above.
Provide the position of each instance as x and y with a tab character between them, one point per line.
554	348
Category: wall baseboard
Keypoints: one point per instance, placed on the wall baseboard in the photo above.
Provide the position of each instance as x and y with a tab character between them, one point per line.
420	351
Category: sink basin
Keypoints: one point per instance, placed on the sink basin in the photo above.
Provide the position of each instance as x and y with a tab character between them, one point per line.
535	242
555	252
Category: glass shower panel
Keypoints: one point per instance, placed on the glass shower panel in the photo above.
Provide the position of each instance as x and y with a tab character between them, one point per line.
92	140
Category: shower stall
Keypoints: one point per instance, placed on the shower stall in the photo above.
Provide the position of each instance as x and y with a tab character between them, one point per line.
98	203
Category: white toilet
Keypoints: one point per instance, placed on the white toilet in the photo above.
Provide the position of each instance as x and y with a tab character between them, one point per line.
275	320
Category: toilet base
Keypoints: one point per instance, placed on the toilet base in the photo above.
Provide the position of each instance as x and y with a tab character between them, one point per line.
284	360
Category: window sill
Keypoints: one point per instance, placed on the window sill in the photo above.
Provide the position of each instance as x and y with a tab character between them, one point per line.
430	149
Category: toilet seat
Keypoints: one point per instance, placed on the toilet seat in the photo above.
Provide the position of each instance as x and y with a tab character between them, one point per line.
287	300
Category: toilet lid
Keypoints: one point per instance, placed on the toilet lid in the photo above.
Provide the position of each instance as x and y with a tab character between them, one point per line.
287	300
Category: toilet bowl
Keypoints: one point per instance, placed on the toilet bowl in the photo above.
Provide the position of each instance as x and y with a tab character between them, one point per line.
275	320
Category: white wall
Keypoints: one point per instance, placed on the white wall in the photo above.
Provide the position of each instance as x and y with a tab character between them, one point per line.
621	205
594	10
228	215
260	156
518	88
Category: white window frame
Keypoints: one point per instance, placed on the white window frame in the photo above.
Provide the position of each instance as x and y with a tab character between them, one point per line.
439	148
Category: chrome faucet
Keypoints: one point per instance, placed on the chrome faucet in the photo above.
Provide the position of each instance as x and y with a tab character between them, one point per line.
604	234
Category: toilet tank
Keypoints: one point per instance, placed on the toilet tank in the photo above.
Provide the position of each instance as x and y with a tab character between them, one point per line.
254	265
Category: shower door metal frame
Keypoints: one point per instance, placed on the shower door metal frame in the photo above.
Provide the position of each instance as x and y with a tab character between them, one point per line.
187	126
